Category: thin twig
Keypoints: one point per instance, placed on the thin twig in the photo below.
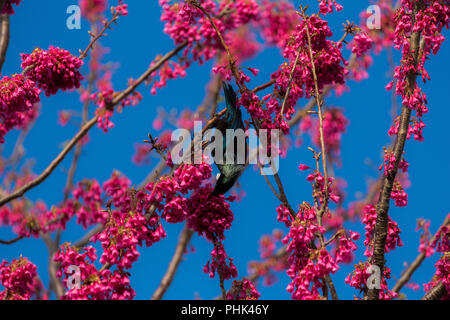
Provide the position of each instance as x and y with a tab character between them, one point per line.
269	183
319	107
8	242
87	237
231	60
323	153
95	38
264	86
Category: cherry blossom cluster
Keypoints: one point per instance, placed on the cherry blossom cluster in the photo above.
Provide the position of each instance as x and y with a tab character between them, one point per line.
334	125
442	244
186	24
93	9
74	263
170	70
276	21
305	274
141	155
121	9
415	128
425	245
34	221
389	163
273	258
88	197
53	69
220	263
131	221
19	278
382	37
326	6
399	195
243	290
209	216
442	275
362	43
123	233
104	98
86	205
442	239
359	277
7	6
18	103
307	263
345	247
393	235
328	62
318	182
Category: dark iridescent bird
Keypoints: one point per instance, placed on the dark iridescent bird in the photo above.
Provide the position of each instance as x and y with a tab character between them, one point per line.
232	119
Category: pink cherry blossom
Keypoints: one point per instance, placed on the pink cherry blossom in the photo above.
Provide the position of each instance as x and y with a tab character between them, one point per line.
18	103
53	70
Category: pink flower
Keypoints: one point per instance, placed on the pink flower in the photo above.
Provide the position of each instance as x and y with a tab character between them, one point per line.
209	216
303	167
18	103
18	278
93	9
94	284
399	195
442	275
121	9
284	215
220	264
393	235
326	6
362	43
141	155
254	71
359	278
277	20
64	117
243	290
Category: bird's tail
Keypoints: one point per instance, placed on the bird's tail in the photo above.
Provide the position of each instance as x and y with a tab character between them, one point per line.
233	115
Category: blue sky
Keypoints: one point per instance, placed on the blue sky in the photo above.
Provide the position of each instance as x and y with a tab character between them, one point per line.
134	43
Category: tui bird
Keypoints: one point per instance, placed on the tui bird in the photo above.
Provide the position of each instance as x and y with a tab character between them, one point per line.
229	172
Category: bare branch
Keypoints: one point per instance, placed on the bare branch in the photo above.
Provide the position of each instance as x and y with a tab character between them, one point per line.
8	242
436	293
167	279
381	227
